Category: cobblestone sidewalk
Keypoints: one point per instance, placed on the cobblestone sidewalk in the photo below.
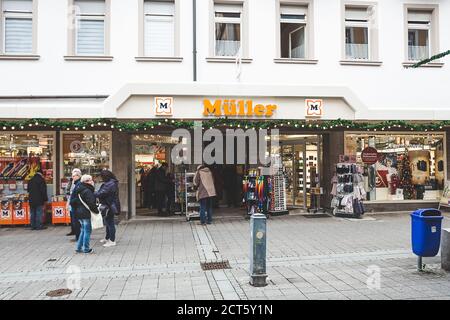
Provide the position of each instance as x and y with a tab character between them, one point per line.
326	258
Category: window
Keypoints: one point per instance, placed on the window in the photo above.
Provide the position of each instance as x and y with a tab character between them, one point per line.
17	26
357	33
228	31
90	27
293	31
419	25
159	28
410	166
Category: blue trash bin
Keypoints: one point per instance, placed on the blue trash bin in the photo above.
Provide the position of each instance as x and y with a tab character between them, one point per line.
426	232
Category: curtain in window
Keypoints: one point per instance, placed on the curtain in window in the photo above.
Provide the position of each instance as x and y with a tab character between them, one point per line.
356	43
228	39
159	36
91	37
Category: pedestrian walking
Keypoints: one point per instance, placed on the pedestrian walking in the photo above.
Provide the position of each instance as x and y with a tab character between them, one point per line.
161	187
37	196
71	187
206	192
108	195
83	203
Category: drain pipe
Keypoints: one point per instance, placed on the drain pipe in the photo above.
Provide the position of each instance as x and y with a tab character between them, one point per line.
194	33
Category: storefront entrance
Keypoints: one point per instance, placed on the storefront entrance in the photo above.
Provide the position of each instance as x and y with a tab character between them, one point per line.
301	161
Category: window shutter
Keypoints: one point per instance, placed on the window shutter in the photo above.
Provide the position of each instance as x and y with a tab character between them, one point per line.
18	35
222	7
91	37
419	16
159	36
18	5
357	13
166	8
294	10
91	6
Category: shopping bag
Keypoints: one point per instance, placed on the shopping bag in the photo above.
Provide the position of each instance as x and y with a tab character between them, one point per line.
96	221
96	218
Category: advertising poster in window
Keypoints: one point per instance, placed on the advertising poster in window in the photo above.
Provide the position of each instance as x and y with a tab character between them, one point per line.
420	166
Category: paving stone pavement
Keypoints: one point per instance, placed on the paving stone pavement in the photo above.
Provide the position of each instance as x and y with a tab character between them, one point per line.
326	258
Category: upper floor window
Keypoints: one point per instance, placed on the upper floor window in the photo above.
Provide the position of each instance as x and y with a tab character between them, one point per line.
159	28
228	31
419	27
293	32
90	27
357	33
17	22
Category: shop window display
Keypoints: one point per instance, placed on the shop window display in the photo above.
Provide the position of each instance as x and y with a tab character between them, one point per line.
21	156
89	152
408	167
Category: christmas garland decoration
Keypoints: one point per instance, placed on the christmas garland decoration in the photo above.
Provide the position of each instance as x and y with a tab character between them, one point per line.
431	59
137	126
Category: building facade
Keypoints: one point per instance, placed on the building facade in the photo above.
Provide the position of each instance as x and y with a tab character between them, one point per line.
65	63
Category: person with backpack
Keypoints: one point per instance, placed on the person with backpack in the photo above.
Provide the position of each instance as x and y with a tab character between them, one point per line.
37	195
84	204
108	195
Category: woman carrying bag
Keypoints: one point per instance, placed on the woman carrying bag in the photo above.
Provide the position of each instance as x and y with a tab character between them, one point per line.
108	195
86	211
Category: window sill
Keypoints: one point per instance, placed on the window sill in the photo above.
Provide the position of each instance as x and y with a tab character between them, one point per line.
360	63
427	65
228	60
295	61
19	57
159	59
88	58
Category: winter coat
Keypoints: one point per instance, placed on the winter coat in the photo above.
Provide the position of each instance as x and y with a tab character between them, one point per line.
150	179
108	195
204	181
37	190
161	181
86	192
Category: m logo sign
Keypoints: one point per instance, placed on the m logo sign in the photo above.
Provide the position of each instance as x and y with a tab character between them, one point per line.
314	108
164	106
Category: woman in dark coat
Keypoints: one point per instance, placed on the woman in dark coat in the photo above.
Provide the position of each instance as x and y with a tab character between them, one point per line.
83	203
108	195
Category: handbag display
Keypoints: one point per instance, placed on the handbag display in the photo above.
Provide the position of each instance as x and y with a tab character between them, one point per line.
96	218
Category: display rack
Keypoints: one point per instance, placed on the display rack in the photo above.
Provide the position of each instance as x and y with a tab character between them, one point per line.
347	201
191	205
277	189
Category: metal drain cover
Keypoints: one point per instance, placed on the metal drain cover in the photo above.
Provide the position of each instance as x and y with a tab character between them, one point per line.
59	293
215	265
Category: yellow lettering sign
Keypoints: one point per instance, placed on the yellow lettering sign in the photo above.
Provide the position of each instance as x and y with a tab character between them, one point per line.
240	108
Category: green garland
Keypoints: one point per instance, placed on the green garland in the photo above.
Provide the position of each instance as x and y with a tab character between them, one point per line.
137	126
431	59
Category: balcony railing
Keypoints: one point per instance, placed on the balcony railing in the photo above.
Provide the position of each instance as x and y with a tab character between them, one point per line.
357	51
417	53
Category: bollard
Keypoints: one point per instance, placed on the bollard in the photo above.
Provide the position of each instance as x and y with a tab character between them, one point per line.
258	247
445	249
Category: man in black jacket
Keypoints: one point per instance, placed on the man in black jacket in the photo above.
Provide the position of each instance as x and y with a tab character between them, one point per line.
37	190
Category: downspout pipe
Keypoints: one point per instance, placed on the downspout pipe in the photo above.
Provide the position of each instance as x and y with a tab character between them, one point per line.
194	33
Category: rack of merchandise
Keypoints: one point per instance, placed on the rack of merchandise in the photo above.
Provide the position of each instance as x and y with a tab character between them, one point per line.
180	192
277	189
191	205
348	191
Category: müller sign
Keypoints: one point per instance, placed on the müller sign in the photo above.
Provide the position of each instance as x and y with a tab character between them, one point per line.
237	108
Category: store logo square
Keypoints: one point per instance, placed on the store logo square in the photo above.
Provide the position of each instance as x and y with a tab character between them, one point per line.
314	107
164	106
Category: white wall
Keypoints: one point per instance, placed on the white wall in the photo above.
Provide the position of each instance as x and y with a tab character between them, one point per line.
384	87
